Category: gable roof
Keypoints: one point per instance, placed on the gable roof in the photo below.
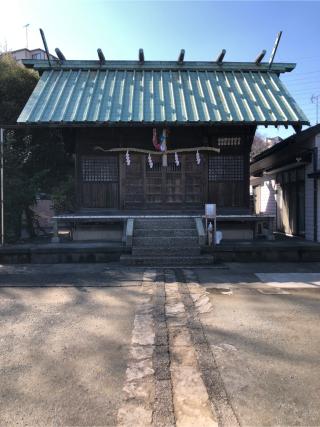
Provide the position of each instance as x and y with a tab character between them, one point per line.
285	153
282	145
165	92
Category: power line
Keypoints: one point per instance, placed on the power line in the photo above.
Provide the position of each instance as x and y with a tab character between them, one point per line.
302	79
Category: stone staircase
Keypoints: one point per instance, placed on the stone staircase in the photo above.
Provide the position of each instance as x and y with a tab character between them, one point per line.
165	242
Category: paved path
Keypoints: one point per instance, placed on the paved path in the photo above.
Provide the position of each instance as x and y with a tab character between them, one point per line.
172	378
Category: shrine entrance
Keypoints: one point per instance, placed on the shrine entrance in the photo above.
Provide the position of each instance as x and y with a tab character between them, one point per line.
175	186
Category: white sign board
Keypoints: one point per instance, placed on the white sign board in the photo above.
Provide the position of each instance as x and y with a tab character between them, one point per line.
210	210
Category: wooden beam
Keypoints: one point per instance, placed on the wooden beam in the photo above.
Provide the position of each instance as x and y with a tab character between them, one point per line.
219	60
141	56
60	55
101	56
181	56
260	57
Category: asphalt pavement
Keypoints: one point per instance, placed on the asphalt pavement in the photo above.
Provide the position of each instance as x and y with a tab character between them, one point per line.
88	345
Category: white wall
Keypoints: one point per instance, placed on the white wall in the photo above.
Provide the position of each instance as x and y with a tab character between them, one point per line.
267	202
268	197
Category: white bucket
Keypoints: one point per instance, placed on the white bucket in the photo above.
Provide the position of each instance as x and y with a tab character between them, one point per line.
218	237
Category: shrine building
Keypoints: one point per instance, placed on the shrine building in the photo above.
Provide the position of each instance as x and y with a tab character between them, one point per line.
161	137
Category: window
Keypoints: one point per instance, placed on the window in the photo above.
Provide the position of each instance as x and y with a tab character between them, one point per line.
39	55
226	168
100	170
229	142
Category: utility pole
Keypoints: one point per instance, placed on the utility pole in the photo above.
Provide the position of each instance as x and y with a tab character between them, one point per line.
2	184
315	100
27	39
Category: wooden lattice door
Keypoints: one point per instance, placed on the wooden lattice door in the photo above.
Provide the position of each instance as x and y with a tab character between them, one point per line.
165	187
195	180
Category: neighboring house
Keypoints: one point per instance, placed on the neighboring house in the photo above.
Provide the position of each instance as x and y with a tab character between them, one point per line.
285	182
119	114
36	54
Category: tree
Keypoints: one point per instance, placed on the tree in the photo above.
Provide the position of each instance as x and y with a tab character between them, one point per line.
261	144
36	160
16	86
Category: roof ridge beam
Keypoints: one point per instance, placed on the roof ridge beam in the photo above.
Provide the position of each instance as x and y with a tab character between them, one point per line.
160	65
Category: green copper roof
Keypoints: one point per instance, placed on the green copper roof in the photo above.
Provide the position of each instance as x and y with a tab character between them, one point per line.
122	92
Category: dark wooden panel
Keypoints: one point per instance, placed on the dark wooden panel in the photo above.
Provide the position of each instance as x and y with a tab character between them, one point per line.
100	195
133	182
226	181
99	181
227	194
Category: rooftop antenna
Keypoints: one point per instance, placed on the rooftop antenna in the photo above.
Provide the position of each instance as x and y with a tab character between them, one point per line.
275	47
44	41
27	38
315	100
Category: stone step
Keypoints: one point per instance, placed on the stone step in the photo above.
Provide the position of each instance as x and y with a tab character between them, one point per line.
165	251
165	232
166	261
177	242
178	223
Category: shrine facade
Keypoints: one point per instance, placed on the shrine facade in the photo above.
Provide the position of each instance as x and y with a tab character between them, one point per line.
161	135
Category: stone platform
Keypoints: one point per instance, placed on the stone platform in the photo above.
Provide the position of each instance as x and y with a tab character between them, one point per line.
291	250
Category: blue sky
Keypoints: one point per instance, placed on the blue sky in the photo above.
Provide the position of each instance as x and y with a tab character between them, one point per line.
162	28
